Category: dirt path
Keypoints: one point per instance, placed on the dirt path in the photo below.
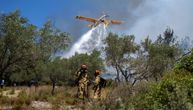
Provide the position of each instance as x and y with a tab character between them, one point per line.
40	105
9	93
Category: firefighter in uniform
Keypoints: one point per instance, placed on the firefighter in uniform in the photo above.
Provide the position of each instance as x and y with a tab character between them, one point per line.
97	87
82	75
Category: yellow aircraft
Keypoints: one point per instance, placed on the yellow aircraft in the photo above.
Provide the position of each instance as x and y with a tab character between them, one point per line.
96	22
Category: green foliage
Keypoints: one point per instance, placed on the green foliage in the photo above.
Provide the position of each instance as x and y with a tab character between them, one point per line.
157	57
23	98
110	83
16	44
62	71
149	60
119	51
185	64
174	92
161	58
51	41
118	46
28	53
24	49
93	62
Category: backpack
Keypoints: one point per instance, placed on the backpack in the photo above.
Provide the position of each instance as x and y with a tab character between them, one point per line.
102	82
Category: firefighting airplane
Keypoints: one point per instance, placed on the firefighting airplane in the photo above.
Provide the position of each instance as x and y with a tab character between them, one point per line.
96	22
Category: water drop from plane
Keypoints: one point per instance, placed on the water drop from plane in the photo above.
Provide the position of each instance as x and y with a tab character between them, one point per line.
93	39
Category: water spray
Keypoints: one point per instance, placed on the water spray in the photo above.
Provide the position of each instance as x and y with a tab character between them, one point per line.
93	39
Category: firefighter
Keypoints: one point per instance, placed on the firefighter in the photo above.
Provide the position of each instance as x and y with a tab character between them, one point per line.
97	87
82	81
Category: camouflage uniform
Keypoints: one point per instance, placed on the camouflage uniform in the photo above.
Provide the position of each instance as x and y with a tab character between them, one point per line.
97	87
82	83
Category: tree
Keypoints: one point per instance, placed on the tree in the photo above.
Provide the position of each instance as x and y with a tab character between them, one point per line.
119	51
26	50
16	44
51	41
157	57
55	72
93	62
64	69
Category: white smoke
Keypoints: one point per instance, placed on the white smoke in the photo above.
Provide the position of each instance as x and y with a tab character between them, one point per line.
93	39
156	15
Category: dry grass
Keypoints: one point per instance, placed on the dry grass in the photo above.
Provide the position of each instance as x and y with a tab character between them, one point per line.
64	98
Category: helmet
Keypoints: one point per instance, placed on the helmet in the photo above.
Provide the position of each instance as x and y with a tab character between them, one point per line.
97	72
83	66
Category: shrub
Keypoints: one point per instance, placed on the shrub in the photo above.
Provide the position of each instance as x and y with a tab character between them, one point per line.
185	64
116	99
23	98
110	83
41	95
173	93
18	107
4	100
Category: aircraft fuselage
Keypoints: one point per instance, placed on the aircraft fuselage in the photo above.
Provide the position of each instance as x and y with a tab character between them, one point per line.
100	20
96	22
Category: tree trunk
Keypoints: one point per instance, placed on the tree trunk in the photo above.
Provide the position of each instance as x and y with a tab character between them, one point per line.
118	78
125	74
135	80
53	87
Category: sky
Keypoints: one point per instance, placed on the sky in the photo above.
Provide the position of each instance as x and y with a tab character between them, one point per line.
141	18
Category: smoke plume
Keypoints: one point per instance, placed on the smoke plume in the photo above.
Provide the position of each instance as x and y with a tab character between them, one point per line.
141	18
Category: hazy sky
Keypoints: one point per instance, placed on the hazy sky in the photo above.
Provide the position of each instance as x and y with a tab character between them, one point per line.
141	17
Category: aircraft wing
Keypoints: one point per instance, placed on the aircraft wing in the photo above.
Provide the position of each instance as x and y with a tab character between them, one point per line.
116	22
86	19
